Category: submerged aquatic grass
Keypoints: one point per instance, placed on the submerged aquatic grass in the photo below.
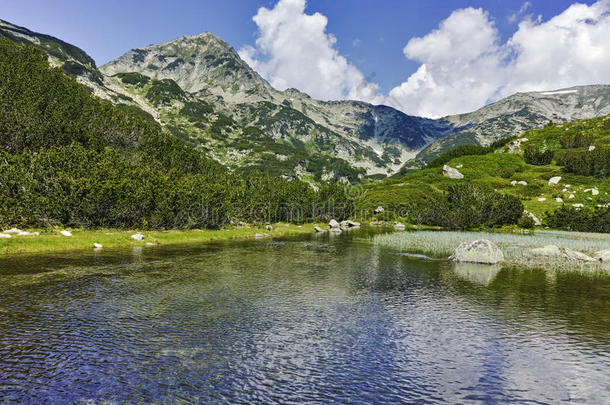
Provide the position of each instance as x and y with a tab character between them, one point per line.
516	247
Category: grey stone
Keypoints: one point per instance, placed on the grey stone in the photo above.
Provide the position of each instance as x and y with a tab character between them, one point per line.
480	251
452	173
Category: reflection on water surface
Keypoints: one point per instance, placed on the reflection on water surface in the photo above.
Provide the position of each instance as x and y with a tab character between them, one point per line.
309	319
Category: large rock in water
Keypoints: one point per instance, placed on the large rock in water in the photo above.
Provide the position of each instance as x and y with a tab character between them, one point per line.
479	251
452	173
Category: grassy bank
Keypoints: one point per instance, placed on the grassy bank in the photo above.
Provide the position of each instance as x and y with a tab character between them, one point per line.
53	241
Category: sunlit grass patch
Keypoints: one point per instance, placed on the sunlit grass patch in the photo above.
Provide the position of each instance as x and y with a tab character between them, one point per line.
52	240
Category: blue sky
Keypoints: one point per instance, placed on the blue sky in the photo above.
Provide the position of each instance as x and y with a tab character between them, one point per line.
370	36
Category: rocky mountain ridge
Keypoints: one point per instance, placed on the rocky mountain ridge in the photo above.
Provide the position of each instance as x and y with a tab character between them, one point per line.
200	90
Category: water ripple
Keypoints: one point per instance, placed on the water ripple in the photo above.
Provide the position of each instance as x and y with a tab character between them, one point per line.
314	321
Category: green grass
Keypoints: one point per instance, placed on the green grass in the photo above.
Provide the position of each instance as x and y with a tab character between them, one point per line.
53	241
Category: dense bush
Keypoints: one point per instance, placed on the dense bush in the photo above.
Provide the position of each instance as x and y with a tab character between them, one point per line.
537	157
133	78
576	140
196	111
68	158
464	150
586	163
582	220
526	222
468	206
42	107
164	92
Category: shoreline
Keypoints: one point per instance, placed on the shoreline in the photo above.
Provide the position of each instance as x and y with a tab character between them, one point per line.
50	241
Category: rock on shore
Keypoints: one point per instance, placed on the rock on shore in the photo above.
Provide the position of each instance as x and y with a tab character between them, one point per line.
479	251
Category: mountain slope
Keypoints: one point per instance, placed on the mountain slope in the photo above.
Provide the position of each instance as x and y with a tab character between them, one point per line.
377	138
516	114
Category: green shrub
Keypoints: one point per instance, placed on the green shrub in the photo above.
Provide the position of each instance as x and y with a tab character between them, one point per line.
526	222
196	111
584	162
502	142
582	220
537	157
133	78
468	206
577	140
164	92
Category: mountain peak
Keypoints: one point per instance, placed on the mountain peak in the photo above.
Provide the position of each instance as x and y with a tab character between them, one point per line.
201	62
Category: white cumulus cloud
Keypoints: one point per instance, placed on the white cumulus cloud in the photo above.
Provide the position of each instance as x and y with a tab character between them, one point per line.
464	65
293	49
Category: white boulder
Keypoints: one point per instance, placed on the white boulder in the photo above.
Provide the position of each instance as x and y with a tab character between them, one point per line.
452	173
479	251
66	233
137	237
554	180
559	199
5	236
571	196
97	246
513	183
379	210
399	226
578	205
541	199
334	224
591	148
318	229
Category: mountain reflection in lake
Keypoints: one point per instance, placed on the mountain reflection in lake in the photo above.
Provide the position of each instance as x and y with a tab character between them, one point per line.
307	319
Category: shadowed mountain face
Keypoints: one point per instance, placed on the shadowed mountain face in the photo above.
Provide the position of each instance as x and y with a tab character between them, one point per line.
201	91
